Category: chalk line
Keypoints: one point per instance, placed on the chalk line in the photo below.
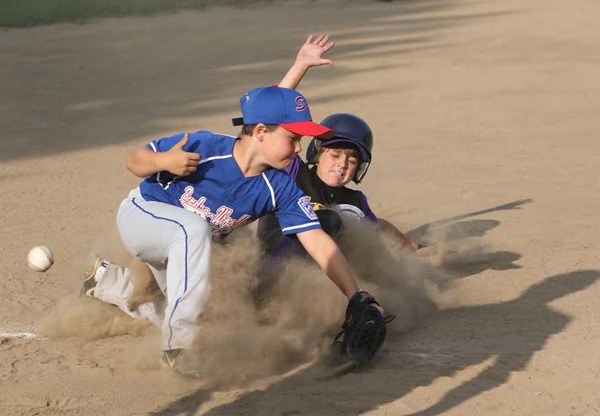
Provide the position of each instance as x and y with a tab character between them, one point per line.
26	335
18	331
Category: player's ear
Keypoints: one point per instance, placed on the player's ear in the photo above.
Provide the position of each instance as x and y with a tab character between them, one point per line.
260	130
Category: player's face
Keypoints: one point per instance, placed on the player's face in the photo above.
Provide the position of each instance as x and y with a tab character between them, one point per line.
281	147
336	167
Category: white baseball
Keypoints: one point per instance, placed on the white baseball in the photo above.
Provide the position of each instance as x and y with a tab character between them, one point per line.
40	258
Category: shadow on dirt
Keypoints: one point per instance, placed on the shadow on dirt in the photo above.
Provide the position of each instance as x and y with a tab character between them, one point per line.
456	339
456	232
68	98
461	230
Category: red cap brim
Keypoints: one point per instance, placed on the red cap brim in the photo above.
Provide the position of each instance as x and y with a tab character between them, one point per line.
308	128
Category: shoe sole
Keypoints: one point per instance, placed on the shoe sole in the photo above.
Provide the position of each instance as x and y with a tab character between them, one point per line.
93	263
166	362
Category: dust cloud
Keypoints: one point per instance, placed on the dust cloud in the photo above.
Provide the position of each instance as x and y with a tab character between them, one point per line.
78	316
266	317
405	284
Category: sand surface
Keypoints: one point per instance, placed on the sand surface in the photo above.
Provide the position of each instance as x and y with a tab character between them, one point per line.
486	121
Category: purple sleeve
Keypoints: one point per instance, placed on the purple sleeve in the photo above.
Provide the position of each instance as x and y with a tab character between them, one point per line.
294	167
366	209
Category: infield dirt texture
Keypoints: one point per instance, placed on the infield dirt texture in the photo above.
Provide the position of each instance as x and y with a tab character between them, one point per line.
487	129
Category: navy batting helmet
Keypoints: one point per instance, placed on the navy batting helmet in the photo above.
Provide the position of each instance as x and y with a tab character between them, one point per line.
347	128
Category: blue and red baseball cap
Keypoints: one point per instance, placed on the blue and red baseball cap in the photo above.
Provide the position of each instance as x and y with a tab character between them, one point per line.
283	106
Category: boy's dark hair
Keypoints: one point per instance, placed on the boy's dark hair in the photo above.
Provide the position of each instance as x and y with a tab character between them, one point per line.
247	129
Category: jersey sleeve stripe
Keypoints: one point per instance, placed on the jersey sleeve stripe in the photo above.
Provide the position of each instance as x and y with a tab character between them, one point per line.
271	190
153	145
296	227
208	159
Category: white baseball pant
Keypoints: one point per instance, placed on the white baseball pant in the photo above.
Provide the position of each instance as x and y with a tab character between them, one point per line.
175	243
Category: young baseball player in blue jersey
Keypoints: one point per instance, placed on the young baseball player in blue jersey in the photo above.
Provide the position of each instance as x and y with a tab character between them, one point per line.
200	184
330	165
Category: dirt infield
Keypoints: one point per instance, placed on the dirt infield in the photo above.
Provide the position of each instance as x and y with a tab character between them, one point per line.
485	116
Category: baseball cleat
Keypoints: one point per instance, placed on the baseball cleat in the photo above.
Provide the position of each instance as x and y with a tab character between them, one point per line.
186	365
94	268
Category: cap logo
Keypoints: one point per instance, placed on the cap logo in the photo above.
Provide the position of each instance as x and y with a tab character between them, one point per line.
300	103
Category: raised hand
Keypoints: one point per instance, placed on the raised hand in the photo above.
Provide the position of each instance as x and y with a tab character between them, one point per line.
312	51
310	54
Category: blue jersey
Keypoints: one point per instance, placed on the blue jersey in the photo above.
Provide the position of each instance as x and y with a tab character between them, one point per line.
221	194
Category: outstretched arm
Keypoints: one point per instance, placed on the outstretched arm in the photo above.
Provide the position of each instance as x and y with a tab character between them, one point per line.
391	229
310	54
329	257
143	162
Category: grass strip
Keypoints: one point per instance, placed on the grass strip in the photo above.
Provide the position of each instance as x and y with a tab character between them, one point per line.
26	13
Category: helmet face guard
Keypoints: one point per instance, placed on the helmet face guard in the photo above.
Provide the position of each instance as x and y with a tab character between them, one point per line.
350	129
361	171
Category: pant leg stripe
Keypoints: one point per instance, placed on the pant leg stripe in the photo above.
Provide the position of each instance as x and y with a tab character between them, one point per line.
185	284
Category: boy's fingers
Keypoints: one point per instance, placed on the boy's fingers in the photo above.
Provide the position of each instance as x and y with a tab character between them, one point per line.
195	156
309	39
328	46
323	40
318	40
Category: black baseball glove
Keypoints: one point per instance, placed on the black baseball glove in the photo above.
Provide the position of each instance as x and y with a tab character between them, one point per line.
363	331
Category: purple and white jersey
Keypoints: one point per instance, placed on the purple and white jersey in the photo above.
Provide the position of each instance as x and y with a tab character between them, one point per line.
221	194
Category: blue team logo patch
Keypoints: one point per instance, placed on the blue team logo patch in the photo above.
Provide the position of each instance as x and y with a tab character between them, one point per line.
304	204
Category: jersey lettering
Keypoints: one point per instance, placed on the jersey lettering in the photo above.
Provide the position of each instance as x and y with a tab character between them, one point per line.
221	221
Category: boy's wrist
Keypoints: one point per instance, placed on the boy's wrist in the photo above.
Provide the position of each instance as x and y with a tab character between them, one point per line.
159	161
301	66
